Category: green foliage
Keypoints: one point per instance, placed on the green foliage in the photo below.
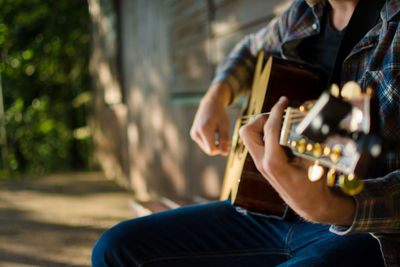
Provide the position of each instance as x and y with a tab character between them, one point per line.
44	49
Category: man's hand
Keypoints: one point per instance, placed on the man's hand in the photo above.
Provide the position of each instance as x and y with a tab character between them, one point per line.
210	129
313	201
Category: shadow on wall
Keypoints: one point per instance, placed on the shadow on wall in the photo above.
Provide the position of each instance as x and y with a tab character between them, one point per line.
163	48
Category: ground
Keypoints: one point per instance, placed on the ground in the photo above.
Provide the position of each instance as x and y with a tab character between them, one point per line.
56	219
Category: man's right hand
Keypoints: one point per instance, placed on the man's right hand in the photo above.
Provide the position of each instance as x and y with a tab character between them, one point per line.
210	129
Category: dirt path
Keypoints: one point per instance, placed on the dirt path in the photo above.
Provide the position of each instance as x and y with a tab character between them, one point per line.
55	220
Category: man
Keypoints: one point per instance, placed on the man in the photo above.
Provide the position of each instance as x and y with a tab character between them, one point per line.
325	229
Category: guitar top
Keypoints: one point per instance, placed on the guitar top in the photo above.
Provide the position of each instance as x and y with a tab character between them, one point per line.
243	184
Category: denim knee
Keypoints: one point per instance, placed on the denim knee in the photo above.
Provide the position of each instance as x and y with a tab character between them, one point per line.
100	251
108	250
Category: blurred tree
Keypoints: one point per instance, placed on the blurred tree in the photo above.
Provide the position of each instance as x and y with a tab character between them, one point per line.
44	51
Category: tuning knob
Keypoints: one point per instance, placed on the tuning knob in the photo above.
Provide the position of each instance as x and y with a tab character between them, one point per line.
336	153
301	145
309	147
317	150
315	172
306	106
293	143
350	184
327	151
331	178
334	90
351	90
370	91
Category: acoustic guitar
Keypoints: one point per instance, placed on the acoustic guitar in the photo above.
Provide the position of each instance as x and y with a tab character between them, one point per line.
321	128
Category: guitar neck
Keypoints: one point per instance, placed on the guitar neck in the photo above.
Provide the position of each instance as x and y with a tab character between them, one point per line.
335	152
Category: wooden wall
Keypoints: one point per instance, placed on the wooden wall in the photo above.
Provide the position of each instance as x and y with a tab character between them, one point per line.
151	62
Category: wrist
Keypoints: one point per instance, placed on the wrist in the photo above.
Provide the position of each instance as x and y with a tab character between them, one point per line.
340	210
220	93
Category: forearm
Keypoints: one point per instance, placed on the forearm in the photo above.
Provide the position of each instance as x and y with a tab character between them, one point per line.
237	69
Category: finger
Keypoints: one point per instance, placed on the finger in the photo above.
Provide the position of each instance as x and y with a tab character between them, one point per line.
255	127
198	139
224	141
224	146
274	155
209	142
252	137
272	127
201	142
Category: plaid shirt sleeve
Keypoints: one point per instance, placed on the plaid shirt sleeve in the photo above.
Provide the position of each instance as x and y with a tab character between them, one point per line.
378	212
377	207
238	67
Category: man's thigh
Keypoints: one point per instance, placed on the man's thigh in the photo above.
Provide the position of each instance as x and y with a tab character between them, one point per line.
216	234
212	234
313	245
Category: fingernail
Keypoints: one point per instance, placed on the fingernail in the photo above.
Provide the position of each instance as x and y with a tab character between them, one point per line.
282	98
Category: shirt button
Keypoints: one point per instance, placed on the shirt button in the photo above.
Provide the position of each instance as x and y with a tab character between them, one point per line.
314	26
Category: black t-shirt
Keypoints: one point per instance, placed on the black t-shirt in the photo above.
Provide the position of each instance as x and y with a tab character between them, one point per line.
321	49
329	48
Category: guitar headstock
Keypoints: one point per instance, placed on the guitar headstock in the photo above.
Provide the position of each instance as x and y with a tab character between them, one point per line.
335	134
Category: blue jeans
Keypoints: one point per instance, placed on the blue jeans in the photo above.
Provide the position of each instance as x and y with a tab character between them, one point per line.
216	234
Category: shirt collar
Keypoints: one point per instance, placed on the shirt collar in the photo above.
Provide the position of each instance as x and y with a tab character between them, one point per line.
390	9
318	8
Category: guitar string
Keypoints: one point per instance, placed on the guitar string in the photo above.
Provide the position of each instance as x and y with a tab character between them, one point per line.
251	116
295	118
255	116
292	116
292	121
291	132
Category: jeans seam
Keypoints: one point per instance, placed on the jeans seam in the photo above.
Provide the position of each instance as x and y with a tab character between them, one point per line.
289	238
216	255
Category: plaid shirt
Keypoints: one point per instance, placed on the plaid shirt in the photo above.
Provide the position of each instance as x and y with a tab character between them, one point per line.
374	60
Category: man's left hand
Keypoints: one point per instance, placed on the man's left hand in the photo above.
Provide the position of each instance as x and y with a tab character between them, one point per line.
314	201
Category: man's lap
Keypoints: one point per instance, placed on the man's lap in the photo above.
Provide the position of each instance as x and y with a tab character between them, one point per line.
216	234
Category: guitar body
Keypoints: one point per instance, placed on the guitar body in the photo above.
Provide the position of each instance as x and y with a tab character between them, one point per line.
243	184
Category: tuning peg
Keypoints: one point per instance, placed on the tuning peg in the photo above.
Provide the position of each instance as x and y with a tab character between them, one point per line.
334	90
309	147
306	106
327	151
370	91
317	151
315	172
336	153
350	184
331	177
301	145
351	90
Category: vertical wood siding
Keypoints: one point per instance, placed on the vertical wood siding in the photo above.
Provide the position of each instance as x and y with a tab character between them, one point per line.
169	50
